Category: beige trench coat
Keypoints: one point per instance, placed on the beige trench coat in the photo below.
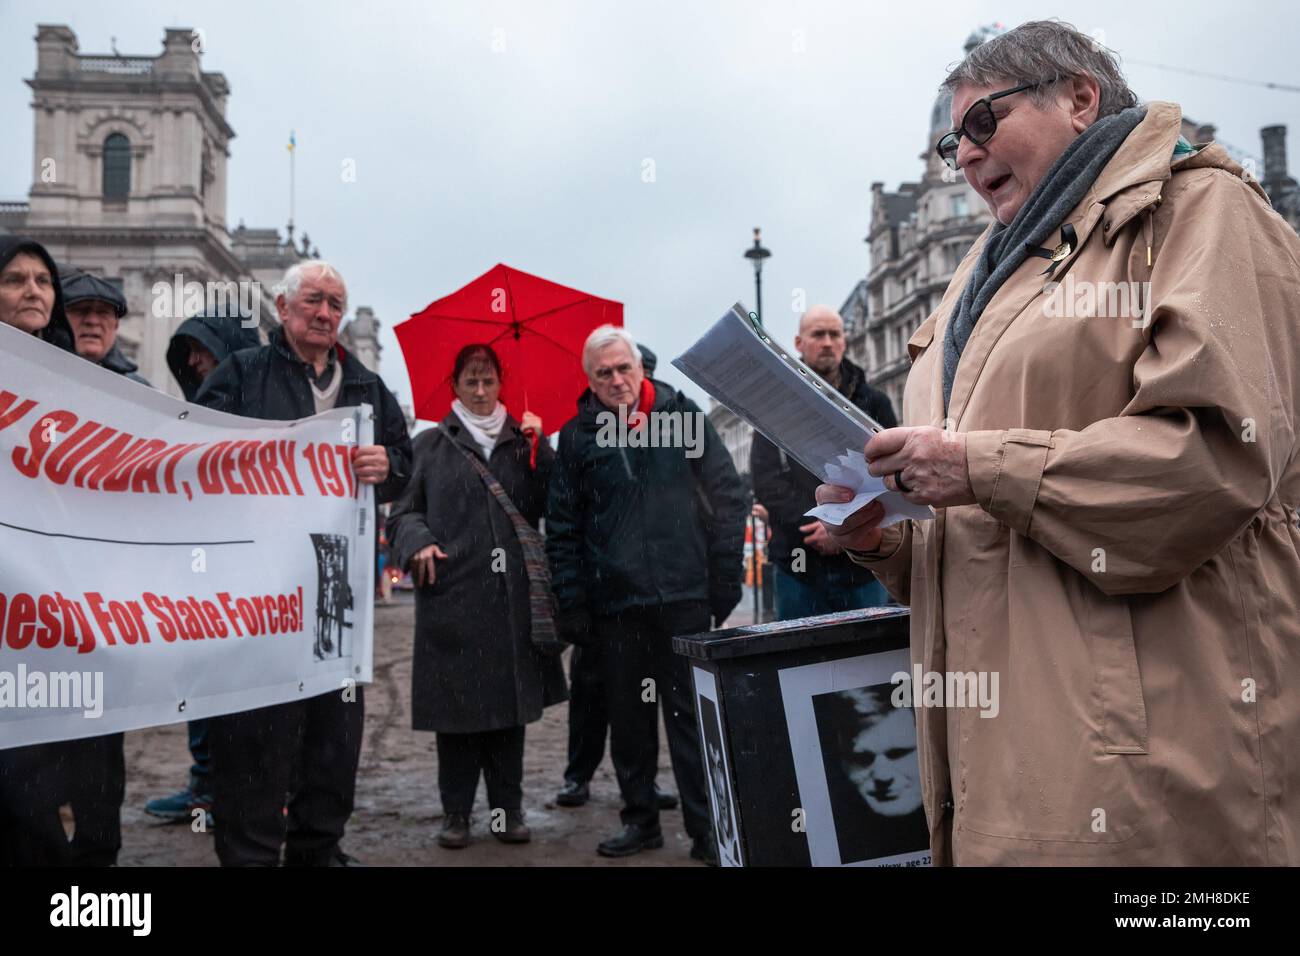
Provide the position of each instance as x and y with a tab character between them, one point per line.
1131	569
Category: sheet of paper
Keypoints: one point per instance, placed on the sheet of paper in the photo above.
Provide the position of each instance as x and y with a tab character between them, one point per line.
795	409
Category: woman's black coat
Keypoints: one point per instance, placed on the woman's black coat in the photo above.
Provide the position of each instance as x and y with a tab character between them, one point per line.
475	668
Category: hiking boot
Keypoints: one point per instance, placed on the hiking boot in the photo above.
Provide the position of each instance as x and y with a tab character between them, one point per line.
455	831
516	830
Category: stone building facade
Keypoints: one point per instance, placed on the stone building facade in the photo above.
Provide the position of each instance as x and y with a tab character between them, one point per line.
1282	190
917	237
129	183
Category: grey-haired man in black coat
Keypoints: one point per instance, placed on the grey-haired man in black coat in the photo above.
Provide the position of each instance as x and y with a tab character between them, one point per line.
588	719
645	542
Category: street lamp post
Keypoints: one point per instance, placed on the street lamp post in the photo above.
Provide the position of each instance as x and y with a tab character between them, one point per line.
756	254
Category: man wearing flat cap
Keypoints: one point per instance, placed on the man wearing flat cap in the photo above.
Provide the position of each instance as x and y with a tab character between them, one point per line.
95	307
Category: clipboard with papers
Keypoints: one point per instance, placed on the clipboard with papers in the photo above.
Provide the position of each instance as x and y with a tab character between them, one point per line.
737	362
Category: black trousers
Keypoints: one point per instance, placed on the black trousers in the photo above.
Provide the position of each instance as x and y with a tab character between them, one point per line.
499	754
587	718
35	781
636	645
302	755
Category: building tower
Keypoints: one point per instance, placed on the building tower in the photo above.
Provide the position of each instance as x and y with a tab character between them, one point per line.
129	183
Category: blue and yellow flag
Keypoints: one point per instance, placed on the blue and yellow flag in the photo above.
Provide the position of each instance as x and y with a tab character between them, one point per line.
292	142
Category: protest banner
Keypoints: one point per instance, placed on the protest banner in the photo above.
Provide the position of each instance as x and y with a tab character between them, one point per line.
160	561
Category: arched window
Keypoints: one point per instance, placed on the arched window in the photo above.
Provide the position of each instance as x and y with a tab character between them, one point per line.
117	167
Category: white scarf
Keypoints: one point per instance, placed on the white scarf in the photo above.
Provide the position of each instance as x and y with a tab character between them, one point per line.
484	429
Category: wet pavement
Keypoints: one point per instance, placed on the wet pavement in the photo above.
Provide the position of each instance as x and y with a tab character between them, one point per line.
398	813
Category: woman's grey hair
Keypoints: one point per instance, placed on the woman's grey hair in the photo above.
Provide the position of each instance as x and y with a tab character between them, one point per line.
1044	50
294	275
607	335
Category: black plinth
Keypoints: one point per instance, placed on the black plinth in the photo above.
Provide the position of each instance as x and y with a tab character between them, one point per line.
809	760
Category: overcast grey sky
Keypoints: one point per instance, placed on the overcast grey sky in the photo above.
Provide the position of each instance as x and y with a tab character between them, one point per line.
533	155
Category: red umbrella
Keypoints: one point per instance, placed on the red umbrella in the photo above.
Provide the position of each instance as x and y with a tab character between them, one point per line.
536	327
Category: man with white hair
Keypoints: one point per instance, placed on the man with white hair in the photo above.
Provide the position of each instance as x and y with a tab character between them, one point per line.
644	535
301	371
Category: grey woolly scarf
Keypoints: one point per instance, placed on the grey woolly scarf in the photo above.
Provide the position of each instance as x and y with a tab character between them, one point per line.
1064	186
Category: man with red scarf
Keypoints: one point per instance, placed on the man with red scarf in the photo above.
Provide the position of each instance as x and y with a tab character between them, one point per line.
645	539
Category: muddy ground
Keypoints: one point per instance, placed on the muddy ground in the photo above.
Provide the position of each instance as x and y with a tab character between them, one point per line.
398	812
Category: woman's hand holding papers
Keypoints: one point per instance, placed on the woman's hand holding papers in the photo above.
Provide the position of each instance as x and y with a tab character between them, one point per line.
932	463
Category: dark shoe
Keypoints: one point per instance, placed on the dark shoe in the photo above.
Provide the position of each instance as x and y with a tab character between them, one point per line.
666	800
455	831
335	857
516	831
175	808
705	849
180	807
633	839
572	794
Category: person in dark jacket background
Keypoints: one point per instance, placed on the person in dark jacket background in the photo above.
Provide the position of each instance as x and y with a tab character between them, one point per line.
302	371
644	543
197	347
89	773
812	574
483	667
95	308
202	342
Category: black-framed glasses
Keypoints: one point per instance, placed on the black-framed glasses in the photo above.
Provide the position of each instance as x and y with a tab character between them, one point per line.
978	125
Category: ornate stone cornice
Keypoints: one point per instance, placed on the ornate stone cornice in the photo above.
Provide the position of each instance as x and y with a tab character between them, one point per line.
147	236
123	87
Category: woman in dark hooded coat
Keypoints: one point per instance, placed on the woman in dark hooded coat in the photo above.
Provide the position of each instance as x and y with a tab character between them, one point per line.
38	309
90	773
486	659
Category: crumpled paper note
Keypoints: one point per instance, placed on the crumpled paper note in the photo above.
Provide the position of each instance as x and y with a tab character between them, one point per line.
850	470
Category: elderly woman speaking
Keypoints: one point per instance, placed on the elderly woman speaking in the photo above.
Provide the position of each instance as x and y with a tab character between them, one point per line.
1116	533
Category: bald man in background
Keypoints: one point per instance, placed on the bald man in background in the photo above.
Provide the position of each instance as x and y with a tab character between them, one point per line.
812	574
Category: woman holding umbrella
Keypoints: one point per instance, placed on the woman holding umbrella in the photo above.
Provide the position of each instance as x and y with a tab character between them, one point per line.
486	653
